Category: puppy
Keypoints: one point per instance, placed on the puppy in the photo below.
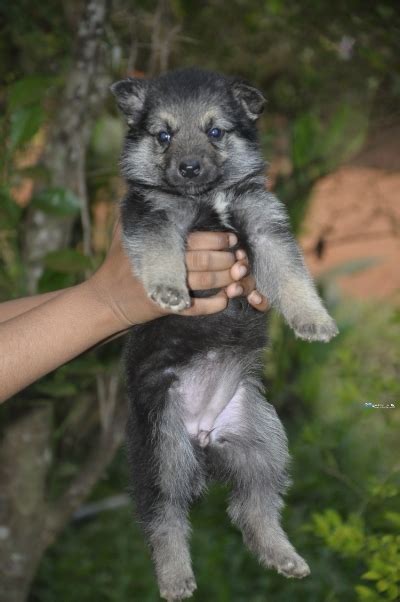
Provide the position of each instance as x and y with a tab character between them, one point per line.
192	161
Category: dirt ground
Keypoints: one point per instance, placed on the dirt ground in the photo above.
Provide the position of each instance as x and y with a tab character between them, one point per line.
353	222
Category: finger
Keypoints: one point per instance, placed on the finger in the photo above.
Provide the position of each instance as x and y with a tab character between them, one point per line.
247	288
240	254
199	281
258	301
239	270
203	261
234	290
243	287
249	284
209	305
211	241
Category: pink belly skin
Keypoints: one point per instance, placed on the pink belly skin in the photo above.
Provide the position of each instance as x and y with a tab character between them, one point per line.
212	398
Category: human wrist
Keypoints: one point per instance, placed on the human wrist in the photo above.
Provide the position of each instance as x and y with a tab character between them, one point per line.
108	317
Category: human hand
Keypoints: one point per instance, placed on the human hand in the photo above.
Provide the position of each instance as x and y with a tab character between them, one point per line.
209	266
246	284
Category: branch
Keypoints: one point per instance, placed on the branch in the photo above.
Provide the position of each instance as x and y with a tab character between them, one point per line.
163	34
101	454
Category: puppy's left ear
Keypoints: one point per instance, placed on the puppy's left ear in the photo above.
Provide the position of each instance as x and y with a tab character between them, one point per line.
130	95
251	99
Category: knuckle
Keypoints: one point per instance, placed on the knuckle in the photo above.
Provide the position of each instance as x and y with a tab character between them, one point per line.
223	240
201	260
229	259
248	284
207	279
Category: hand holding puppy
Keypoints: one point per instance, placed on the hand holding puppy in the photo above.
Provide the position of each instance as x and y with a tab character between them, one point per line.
208	263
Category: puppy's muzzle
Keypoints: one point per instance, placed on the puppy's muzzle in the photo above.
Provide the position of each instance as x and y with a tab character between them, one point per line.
189	168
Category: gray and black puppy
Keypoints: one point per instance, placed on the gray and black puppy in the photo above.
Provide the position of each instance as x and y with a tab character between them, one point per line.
192	161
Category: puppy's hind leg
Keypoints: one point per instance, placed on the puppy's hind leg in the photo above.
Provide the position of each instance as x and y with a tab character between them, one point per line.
163	493
168	534
252	457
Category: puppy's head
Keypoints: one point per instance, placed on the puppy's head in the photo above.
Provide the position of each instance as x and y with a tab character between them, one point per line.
189	130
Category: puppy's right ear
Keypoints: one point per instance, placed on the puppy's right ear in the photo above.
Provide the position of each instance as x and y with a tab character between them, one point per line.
130	95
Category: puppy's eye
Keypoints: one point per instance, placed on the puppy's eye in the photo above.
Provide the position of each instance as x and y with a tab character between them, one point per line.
215	133
164	137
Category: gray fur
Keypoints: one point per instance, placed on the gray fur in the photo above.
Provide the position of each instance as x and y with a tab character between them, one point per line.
197	408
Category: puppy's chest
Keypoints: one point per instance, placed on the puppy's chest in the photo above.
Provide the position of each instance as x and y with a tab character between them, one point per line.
213	213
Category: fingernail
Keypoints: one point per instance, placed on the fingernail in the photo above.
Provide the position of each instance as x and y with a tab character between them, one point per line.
242	271
232	239
237	291
240	254
255	297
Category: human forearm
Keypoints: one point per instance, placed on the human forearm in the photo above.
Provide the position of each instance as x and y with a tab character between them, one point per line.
50	334
16	307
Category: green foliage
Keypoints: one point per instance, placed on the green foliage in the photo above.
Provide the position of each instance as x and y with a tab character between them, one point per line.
25	122
25	112
11	268
28	90
379	552
317	144
57	201
344	537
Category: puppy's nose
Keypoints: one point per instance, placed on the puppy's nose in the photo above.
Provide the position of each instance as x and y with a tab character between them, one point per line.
189	168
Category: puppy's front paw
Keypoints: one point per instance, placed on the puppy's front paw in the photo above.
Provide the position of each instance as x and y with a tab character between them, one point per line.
170	297
320	328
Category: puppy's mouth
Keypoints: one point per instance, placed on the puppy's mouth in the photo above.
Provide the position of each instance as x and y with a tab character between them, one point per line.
193	187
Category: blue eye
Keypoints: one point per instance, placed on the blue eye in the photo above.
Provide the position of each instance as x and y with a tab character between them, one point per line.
164	137
215	133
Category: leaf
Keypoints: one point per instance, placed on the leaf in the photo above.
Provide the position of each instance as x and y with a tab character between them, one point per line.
27	91
365	593
382	585
393	517
10	212
57	389
306	133
25	122
54	281
371	575
67	261
57	201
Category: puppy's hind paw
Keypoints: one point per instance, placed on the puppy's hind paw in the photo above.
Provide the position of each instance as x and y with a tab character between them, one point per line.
178	590
286	561
293	566
170	297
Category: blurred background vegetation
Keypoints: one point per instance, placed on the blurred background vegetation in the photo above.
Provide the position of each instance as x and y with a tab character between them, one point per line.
331	76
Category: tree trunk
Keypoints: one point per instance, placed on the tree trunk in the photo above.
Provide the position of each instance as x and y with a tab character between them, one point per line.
25	456
67	140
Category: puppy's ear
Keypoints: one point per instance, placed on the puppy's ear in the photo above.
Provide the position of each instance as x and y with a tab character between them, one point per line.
251	99
130	95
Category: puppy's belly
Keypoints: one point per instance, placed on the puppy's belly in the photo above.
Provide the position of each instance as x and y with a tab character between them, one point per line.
212	396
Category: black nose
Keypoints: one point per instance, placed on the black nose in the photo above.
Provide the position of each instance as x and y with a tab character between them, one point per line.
189	168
